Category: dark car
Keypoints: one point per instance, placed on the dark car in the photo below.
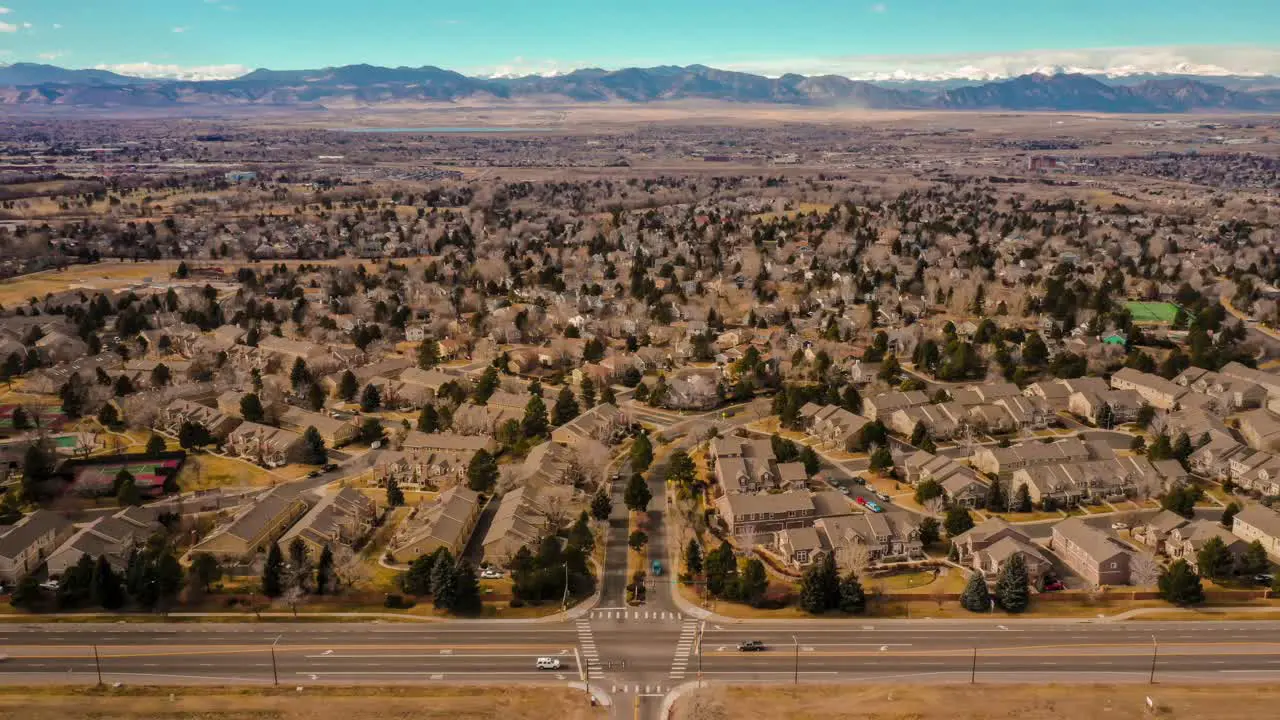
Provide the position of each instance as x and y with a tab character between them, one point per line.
750	646
330	467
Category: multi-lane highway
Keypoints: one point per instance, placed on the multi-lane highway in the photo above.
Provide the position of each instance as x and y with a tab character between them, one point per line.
640	653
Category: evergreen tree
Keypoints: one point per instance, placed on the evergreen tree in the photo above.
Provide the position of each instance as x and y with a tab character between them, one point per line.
300	375
107	592
416	580
607	395
466	590
565	408
315	397
155	445
881	459
1254	560
1214	560
588	390
206	570
693	557
722	571
313	449
957	521
820	586
251	408
534	423
348	386
1229	514
580	535
429	420
641	453
273	572
428	354
753	583
444	581
482	472
370	399
976	598
930	532
324	571
395	496
128	495
601	505
853	600
1013	591
1023	502
637	494
21	419
1180	585
38	464
109	416
486	386
27	595
996	501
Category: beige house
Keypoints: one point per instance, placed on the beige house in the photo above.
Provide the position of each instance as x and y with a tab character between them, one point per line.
264	444
218	423
333	431
1260	523
832	424
1155	390
751	516
448	522
518	522
1004	461
25	544
881	406
253	529
110	536
342	518
1092	554
989	546
1261	429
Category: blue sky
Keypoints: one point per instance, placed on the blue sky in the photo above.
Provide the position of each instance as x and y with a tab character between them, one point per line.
771	36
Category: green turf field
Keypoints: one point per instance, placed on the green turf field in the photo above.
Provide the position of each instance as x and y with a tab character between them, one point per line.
1152	312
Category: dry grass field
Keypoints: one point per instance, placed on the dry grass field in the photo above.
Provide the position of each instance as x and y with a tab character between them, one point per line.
980	702
454	703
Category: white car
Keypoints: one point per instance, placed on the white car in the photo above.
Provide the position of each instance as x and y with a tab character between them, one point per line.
546	663
49	584
491	574
1119	526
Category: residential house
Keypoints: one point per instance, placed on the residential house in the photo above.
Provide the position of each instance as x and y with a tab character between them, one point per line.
604	423
960	485
518	521
754	516
448	522
25	544
1266	380
747	466
1004	461
254	528
1185	541
345	518
265	445
333	431
1155	390
1123	406
1258	522
800	546
110	536
879	407
859	540
1230	394
179	411
988	547
1064	485
1091	553
1260	429
832	424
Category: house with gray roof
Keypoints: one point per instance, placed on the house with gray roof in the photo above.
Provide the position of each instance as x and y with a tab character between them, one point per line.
1091	553
26	544
1257	522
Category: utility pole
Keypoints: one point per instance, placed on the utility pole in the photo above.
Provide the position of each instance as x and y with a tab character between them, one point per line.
973	672
275	673
796	677
97	663
702	627
564	602
1155	652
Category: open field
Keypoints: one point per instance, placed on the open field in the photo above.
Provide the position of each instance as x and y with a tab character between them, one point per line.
1152	312
985	702
455	703
203	472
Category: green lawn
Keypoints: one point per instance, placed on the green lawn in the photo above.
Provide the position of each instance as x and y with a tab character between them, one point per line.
1152	312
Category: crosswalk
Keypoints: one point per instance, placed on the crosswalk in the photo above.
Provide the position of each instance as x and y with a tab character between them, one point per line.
590	654
688	635
638	689
619	614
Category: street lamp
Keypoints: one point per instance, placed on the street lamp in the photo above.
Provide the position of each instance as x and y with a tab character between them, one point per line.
275	674
973	671
1155	652
702	628
796	677
564	602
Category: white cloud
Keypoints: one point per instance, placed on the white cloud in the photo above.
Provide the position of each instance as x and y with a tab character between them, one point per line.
176	72
880	8
51	56
521	67
179	29
57	26
5	11
8	27
1114	62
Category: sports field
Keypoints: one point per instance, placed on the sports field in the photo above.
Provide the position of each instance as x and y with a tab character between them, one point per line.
1152	312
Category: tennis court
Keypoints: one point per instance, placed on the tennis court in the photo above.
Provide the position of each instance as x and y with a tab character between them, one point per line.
1152	312
99	479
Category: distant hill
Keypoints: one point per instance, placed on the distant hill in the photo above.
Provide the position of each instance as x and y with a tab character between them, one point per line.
25	84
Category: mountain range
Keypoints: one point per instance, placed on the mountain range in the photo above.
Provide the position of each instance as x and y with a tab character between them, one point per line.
33	85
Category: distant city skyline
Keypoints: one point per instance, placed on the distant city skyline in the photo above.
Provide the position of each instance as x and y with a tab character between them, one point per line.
895	39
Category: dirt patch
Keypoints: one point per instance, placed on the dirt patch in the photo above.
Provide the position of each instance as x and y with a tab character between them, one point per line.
981	702
456	703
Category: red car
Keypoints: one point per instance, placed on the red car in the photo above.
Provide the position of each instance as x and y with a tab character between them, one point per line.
1054	586
860	500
